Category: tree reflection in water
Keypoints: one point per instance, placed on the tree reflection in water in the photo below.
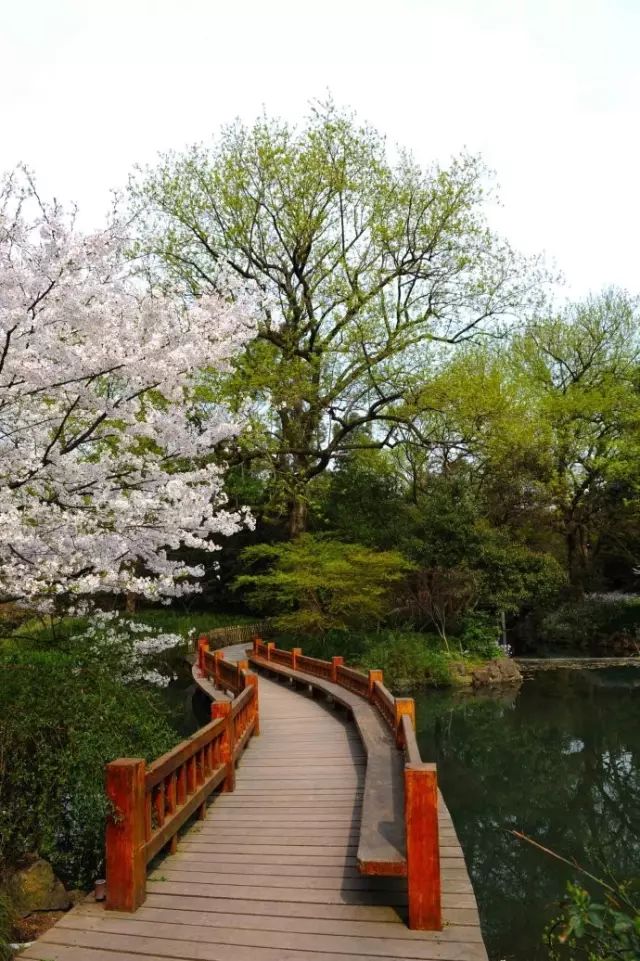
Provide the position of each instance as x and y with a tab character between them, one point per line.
558	759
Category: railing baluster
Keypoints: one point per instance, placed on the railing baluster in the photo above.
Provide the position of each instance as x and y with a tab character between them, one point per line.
191	776
158	804
181	785
403	705
148	817
252	681
170	800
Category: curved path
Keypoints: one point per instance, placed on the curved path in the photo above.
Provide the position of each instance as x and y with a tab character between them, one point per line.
270	874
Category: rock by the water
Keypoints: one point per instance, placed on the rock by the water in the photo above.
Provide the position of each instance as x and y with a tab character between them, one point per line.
35	887
460	673
501	670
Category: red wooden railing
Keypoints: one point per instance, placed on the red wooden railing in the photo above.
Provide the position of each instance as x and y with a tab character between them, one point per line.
420	779
233	634
151	804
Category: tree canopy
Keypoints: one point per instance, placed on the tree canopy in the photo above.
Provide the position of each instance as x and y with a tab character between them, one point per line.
105	469
367	268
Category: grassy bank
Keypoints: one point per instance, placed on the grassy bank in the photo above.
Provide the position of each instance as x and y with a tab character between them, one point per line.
408	659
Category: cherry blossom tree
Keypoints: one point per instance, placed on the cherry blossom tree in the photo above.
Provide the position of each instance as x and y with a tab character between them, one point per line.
107	463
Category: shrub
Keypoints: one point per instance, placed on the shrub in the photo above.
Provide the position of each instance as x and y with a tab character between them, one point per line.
479	635
61	719
316	584
593	621
6	924
590	930
409	660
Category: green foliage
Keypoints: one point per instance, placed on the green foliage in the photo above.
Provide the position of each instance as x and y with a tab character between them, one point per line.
579	372
315	584
6	924
593	621
479	636
187	623
347	249
410	660
57	632
590	930
511	574
364	501
463	562
59	724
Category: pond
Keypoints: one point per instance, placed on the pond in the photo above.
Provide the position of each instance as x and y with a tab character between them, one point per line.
558	759
188	707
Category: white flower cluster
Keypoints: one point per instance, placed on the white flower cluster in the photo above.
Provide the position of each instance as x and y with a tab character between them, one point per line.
129	645
104	470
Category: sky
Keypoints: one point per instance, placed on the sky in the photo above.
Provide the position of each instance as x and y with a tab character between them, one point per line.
548	91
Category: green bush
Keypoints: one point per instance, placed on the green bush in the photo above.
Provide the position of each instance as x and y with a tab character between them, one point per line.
61	720
408	659
314	584
42	633
188	622
591	930
6	923
593	621
479	636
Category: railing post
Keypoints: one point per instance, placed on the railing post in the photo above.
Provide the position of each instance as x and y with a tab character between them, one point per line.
270	647
423	851
126	866
404	705
256	643
203	644
217	656
373	677
296	652
251	680
336	662
223	709
241	666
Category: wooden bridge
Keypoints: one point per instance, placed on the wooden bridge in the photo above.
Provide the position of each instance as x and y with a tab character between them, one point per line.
330	841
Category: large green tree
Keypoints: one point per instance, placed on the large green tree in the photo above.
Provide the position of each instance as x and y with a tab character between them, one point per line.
580	373
367	268
544	428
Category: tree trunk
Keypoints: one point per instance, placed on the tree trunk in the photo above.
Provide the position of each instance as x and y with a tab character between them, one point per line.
298	516
575	567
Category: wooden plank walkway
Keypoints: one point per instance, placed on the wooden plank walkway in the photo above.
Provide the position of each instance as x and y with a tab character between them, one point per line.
270	874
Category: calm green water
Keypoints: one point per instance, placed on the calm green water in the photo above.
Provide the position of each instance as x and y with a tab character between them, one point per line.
189	708
558	759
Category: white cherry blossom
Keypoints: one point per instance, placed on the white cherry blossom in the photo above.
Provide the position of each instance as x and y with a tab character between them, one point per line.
104	470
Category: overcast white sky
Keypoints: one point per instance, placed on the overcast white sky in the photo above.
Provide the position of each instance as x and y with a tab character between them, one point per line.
547	90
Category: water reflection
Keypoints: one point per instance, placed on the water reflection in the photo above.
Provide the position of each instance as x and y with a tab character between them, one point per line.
559	759
188	707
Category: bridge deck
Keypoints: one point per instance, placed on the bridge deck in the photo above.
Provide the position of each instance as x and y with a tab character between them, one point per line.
270	874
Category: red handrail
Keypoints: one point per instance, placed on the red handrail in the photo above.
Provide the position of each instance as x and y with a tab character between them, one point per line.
151	804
